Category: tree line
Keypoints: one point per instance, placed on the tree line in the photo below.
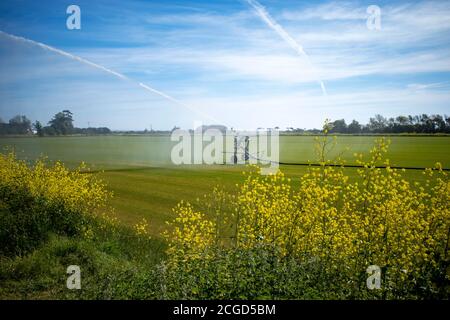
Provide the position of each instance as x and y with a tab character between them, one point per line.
60	124
423	123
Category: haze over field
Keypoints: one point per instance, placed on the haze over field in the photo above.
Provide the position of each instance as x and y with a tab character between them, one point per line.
120	152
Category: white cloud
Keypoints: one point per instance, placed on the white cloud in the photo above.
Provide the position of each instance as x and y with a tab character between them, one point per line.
425	86
328	11
238	47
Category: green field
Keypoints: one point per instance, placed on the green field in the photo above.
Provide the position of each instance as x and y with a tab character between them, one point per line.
118	152
145	184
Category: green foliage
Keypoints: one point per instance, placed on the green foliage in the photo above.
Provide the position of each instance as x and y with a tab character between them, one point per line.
51	218
259	272
43	199
62	122
19	124
116	264
39	128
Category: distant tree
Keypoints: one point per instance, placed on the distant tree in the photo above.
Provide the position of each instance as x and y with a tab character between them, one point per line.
4	128
92	131
447	123
339	126
438	123
49	131
377	124
400	124
39	129
62	122
104	130
19	125
402	120
354	127
425	124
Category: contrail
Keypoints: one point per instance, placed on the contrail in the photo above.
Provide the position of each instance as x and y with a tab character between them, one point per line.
100	67
267	18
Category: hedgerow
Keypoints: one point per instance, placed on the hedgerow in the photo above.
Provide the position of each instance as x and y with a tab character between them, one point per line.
42	198
50	218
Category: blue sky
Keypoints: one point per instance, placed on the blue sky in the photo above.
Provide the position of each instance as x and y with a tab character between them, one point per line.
224	63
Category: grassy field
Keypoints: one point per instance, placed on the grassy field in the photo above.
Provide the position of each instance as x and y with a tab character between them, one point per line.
145	184
47	225
116	152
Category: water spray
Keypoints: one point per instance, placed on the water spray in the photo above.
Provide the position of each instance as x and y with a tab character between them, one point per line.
105	69
270	21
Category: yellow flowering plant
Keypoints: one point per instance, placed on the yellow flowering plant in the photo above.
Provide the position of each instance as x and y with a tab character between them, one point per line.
141	228
344	225
39	198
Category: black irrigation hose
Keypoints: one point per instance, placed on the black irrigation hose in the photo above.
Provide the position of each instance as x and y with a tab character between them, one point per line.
355	166
342	165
